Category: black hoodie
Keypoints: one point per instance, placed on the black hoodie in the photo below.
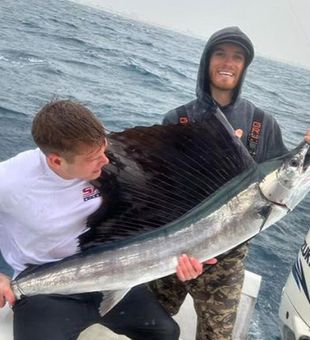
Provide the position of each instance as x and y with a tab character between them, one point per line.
240	111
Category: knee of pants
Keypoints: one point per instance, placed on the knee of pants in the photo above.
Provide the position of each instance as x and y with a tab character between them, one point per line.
165	330
47	317
171	331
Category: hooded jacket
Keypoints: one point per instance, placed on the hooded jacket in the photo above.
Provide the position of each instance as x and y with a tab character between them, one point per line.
239	112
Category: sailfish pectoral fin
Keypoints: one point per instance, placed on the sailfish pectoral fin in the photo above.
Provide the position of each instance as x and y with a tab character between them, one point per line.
111	298
265	214
271	214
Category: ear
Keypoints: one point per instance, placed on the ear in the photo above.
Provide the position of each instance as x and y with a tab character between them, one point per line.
54	160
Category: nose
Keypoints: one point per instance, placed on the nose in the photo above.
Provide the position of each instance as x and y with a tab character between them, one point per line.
228	59
105	160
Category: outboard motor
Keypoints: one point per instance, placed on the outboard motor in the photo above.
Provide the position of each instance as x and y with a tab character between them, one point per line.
294	309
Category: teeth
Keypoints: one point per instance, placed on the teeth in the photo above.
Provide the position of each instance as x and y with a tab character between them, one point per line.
225	73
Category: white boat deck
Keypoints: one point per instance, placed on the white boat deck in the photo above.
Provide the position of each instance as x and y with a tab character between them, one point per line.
186	318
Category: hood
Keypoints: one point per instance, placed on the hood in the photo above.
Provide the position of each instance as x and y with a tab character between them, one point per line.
225	35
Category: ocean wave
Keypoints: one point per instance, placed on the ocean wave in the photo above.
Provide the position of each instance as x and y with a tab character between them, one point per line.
30	24
74	41
140	41
63	22
53	70
3	58
19	58
135	67
80	64
154	65
11	113
272	96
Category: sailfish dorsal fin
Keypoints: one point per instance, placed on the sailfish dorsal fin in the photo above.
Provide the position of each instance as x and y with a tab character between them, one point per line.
158	173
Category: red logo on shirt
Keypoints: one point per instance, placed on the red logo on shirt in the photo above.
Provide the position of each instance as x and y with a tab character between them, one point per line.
90	193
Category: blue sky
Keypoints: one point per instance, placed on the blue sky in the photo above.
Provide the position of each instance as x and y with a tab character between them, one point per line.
280	29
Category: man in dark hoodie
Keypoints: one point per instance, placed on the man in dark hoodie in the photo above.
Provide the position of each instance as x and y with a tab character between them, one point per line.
216	290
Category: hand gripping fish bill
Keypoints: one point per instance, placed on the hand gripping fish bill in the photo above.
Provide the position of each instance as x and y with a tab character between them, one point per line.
170	190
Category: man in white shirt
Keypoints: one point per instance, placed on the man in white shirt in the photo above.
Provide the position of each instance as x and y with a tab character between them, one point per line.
44	205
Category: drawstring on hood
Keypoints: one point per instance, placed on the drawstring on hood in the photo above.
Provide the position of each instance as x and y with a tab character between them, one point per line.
226	35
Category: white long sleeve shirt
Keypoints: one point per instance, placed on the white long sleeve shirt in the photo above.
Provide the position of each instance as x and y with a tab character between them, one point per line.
41	214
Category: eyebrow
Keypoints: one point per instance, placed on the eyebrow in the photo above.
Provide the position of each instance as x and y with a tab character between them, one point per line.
90	155
221	49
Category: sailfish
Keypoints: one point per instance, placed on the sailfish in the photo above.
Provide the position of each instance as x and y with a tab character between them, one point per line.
170	190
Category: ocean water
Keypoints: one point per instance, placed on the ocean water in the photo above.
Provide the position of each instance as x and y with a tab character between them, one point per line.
130	74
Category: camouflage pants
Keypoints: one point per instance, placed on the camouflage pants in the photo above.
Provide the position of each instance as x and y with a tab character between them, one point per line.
216	294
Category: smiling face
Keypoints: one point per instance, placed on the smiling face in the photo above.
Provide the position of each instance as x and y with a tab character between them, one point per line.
227	63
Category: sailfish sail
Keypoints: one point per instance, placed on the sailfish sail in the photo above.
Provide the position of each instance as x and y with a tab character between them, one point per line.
156	174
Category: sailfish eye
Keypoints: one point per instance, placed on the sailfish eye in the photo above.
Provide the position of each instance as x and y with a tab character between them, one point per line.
294	163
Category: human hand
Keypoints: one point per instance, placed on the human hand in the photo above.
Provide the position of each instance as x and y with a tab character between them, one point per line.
6	293
211	261
307	136
189	268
